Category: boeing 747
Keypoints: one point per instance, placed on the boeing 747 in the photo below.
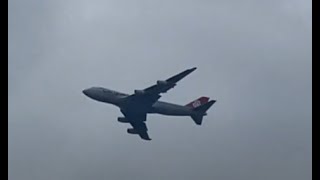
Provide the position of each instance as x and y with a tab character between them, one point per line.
136	106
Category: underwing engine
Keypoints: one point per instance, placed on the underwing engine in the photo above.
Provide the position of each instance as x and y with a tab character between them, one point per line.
132	131
162	83
139	92
123	120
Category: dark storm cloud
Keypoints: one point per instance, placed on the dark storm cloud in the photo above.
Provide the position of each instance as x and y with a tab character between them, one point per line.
254	57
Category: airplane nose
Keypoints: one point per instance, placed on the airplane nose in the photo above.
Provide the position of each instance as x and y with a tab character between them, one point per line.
85	91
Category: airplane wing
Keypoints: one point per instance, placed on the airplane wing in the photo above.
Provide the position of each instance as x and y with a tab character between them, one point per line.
164	86
141	128
150	95
137	121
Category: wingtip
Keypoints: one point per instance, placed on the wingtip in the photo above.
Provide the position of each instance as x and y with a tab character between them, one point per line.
194	68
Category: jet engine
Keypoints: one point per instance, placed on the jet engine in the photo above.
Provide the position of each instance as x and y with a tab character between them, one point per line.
123	120
132	131
139	92
162	83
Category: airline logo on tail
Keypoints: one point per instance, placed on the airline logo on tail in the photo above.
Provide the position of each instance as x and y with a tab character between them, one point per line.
198	102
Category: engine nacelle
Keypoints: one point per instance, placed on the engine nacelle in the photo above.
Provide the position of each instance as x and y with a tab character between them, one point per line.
123	120
162	82
139	92
132	131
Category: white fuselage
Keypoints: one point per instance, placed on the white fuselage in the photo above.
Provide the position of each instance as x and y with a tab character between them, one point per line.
117	98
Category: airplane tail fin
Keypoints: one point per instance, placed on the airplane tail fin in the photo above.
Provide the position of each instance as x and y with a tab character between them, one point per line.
200	111
198	102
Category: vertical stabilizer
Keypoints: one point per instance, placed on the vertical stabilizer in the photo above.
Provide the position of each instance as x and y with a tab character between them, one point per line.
198	102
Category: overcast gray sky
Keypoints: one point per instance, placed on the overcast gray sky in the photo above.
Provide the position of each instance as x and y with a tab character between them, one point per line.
253	57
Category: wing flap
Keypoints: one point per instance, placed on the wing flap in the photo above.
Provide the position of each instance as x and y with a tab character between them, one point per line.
141	128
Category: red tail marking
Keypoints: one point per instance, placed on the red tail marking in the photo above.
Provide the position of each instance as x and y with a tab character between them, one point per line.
198	102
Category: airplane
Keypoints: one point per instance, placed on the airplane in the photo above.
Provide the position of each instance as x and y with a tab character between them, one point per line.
136	106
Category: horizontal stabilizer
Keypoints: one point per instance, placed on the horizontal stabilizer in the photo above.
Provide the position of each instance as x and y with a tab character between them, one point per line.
200	111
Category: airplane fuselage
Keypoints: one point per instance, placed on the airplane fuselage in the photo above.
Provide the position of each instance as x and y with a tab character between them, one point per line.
136	106
117	98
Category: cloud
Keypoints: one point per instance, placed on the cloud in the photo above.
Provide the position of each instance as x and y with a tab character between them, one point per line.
254	57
